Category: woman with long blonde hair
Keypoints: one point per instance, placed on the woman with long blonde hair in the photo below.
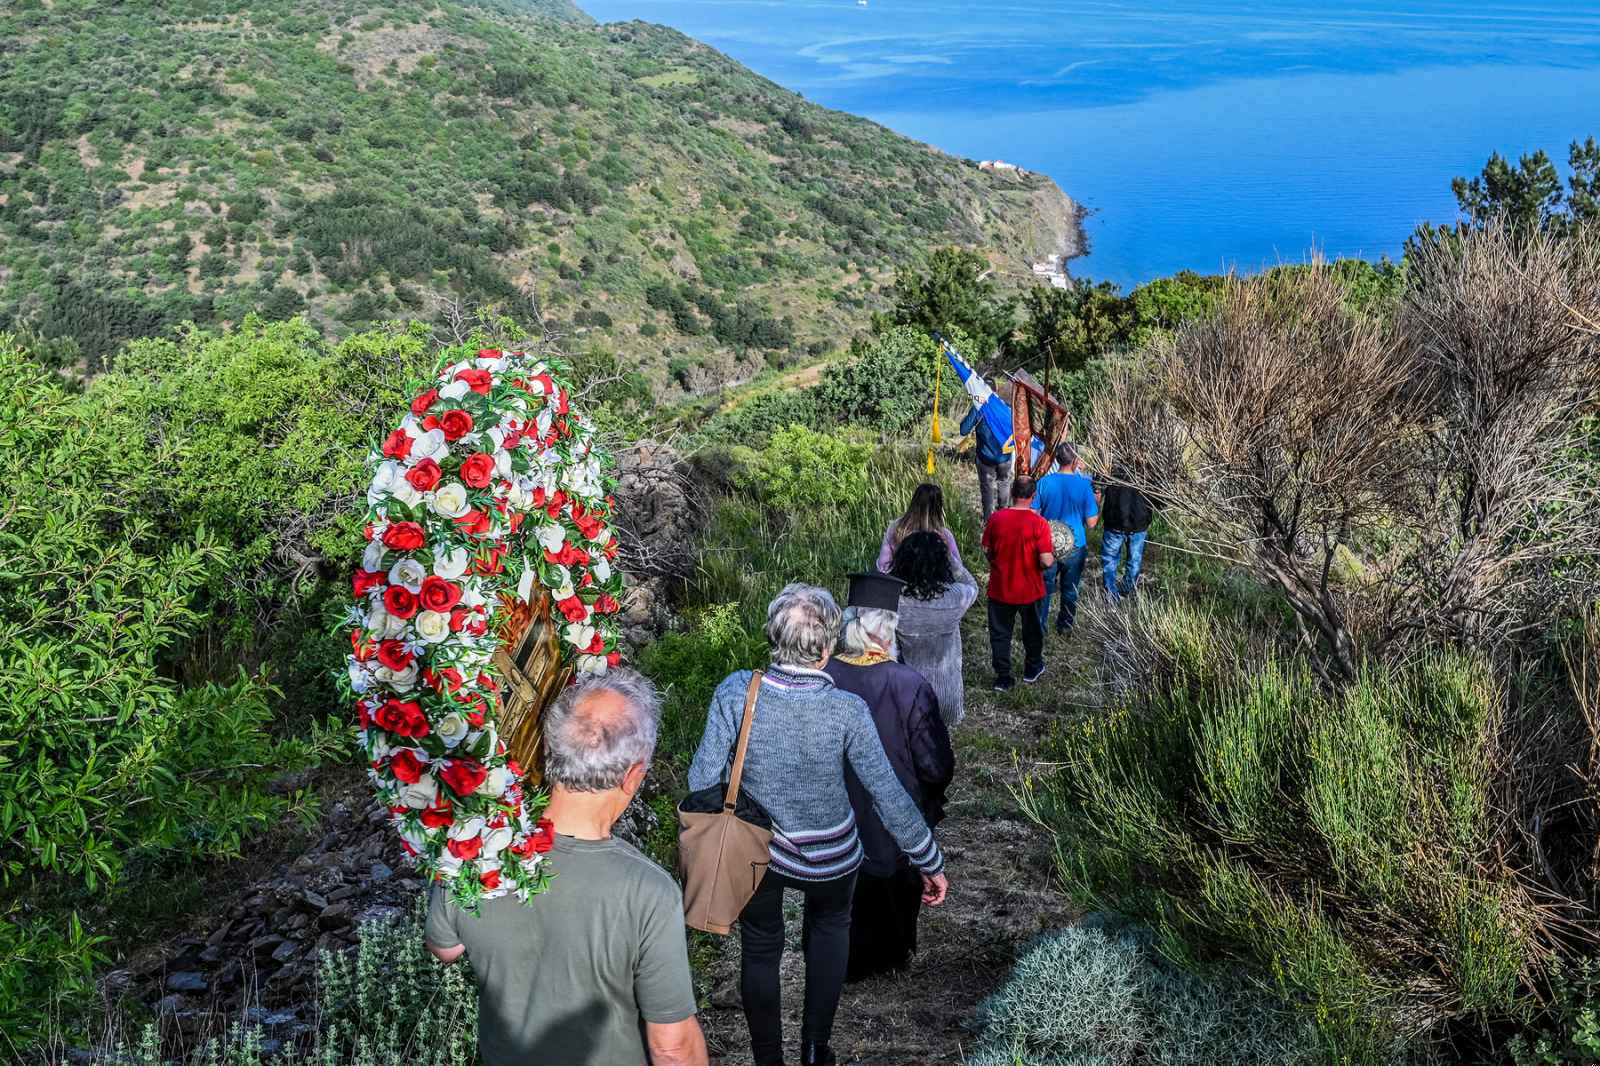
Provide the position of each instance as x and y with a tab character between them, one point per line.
925	514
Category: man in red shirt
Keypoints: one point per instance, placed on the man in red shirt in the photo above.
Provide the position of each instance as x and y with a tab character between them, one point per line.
1017	542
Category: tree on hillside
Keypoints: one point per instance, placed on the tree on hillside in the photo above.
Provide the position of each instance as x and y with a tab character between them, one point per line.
1529	194
952	290
1065	328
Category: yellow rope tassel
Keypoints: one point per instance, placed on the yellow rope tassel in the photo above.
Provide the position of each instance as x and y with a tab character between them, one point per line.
934	436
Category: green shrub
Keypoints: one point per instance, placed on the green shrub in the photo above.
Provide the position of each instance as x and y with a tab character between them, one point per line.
800	469
688	665
1569	1034
1086	996
1336	842
387	1003
107	757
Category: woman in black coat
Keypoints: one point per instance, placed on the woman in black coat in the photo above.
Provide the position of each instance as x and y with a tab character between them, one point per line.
889	891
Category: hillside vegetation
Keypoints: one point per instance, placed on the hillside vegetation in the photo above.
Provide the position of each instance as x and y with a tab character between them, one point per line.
173	160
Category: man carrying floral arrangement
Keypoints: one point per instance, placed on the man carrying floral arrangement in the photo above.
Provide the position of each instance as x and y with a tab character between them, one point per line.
597	971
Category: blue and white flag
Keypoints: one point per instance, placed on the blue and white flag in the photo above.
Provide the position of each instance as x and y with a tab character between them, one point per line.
991	408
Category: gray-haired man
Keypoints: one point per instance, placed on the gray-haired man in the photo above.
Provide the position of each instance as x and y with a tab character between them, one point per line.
595	970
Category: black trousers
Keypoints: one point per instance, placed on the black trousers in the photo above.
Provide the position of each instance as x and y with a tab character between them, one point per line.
825	939
883	923
1002	623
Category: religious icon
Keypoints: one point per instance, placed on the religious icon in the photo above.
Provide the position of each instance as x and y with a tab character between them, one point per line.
531	673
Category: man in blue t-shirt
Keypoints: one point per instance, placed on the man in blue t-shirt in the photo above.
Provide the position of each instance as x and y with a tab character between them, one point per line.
1066	496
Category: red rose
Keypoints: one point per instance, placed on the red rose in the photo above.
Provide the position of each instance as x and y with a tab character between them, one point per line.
424	476
490	563
403	536
406	767
451	677
485	681
606	604
363	715
488	353
614	659
399	601
397	445
439	815
402	717
394	654
477	470
364	581
420	405
478	381
361	649
543	835
465	849
463	775
475	719
596	646
456	424
561	402
573	609
438	594
475	523
490	878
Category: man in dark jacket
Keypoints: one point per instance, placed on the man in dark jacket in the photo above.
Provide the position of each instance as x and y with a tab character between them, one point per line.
889	891
994	465
1125	514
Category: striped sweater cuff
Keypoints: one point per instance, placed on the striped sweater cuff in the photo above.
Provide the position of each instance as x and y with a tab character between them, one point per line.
927	858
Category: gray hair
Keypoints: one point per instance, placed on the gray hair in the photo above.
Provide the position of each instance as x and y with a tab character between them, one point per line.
802	622
588	749
868	629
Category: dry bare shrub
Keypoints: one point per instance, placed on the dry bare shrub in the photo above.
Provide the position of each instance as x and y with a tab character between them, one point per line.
1396	481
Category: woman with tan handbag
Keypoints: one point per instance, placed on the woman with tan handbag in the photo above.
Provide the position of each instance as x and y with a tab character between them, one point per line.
802	734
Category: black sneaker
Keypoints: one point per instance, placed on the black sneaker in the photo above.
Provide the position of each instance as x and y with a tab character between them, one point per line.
1004	686
1028	679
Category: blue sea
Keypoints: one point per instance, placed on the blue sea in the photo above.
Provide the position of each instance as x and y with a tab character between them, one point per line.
1202	134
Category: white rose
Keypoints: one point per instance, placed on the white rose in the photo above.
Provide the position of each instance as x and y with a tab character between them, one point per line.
430	445
551	537
400	680
372	558
592	664
409	573
497	782
383	482
517	496
378	749
448	865
360	679
564	590
602	569
452	729
579	635
543	421
495	841
421	794
405	492
467	828
433	627
455	390
377	617
472	596
497	434
452	564
449	500
502	462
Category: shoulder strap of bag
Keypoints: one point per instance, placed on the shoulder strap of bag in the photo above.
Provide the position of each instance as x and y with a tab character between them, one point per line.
731	797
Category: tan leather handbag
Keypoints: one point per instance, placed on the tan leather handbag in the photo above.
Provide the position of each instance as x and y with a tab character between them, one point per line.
723	838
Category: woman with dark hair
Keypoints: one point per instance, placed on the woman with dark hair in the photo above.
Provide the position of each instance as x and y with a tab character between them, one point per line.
924	515
938	592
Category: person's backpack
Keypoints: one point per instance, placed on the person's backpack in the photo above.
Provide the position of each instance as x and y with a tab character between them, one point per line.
723	841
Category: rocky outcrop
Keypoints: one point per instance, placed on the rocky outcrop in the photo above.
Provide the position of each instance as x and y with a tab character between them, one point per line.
659	518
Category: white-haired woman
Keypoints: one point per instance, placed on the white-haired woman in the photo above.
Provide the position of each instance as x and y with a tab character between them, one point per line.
905	710
806	734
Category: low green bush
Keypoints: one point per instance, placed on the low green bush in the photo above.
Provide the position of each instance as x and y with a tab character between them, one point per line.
1341	843
387	1003
1088	997
688	665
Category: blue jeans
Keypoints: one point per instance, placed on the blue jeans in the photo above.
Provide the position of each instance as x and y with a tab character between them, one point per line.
1111	545
1068	573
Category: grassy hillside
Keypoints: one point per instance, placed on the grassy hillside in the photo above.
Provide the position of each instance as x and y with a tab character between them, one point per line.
172	160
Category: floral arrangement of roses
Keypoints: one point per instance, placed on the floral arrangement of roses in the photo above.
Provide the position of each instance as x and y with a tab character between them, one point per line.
490	490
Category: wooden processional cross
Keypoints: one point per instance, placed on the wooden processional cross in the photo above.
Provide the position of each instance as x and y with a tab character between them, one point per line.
1035	413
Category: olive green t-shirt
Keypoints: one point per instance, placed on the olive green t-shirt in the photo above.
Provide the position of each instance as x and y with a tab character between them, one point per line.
571	978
